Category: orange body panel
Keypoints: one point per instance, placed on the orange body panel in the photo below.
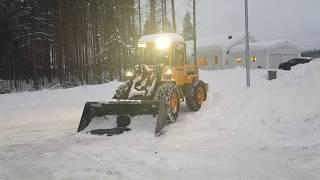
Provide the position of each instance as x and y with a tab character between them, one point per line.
185	74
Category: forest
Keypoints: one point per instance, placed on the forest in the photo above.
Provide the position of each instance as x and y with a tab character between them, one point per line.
311	53
48	42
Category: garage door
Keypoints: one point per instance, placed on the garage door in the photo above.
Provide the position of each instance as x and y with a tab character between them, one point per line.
275	60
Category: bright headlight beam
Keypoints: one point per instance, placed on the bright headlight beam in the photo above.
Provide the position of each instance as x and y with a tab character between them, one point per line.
163	42
129	74
142	45
169	71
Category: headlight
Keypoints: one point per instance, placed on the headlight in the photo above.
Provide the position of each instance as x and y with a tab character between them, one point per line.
168	72
129	74
163	42
142	45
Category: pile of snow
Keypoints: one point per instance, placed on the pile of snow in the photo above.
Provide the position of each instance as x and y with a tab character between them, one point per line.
266	46
270	131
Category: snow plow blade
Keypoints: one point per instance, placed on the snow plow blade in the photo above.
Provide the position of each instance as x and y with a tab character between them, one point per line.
123	110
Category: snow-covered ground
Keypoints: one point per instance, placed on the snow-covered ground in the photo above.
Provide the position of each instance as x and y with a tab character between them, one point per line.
270	131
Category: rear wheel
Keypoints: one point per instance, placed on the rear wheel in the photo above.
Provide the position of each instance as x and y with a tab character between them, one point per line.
195	95
168	93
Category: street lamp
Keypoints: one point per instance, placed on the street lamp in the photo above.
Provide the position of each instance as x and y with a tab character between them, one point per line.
194	33
247	43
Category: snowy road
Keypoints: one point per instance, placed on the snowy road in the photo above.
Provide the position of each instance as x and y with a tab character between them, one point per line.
271	131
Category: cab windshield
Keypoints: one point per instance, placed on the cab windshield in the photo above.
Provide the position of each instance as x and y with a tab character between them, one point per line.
153	56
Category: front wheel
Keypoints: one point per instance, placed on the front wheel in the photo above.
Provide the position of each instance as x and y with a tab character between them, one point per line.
168	93
195	95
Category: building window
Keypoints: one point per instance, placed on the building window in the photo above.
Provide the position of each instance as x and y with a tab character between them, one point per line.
238	60
202	61
254	59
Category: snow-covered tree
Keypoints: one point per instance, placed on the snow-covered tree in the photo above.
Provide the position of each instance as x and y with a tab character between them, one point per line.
187	28
84	41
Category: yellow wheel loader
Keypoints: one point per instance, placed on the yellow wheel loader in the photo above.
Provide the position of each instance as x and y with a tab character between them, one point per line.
163	78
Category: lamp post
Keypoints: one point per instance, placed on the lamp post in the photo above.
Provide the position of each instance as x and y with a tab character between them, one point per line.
194	33
247	43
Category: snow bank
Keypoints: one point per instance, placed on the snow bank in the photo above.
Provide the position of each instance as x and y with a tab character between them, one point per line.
288	106
270	131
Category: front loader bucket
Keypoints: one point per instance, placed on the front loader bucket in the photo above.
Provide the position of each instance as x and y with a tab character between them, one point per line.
123	110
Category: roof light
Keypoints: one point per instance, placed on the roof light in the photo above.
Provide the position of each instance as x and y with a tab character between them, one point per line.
163	42
169	71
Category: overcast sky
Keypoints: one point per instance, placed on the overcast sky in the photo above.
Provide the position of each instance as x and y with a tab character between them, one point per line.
295	20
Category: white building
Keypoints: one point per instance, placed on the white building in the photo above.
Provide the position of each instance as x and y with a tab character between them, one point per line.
264	54
217	49
228	51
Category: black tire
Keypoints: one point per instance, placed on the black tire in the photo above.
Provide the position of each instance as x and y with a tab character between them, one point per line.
122	92
190	92
164	93
123	121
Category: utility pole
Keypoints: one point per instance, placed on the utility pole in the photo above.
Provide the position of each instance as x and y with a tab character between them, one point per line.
194	33
247	43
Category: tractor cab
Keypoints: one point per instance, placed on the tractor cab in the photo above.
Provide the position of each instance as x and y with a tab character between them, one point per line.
168	49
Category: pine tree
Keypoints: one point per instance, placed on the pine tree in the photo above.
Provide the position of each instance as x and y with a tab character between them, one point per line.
74	42
152	20
187	27
173	13
311	53
147	27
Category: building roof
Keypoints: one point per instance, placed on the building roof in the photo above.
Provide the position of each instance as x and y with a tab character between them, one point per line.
175	38
223	42
266	46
